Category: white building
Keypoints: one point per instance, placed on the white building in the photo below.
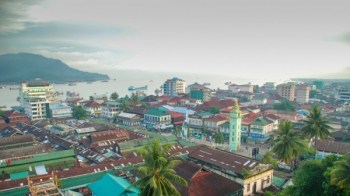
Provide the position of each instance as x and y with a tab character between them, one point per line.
110	109
36	108
174	87
35	98
59	110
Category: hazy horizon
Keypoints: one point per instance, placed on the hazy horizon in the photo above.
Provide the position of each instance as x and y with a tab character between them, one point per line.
246	39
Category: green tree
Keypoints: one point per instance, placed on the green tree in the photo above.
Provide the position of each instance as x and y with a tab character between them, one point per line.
2	112
309	176
268	159
284	105
287	144
177	131
125	105
214	109
316	126
158	171
340	175
79	113
114	96
134	99
219	138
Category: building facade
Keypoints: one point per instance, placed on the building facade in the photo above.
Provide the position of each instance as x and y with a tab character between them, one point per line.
158	119
302	93
286	91
173	87
59	110
35	98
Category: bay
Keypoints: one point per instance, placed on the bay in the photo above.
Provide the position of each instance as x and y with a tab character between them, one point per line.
122	79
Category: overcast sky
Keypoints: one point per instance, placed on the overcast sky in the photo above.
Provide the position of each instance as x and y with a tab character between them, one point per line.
247	38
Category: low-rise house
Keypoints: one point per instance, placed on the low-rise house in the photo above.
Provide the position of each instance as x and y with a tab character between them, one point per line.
12	117
329	147
261	128
250	173
205	182
286	115
93	108
158	119
213	123
59	110
177	118
128	119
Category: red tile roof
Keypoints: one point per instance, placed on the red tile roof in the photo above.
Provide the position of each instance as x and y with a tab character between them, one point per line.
92	104
211	184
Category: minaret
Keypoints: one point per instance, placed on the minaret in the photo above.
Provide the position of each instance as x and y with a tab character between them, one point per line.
235	127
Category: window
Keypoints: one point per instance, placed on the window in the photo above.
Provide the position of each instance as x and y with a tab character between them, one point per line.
248	187
268	180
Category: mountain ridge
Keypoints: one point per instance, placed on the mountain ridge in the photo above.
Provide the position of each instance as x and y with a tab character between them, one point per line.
27	66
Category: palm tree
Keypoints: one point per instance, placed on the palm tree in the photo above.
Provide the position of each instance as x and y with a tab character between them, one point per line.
158	171
316	126
340	175
134	99
287	144
177	131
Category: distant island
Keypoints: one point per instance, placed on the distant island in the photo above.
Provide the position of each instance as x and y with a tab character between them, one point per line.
26	66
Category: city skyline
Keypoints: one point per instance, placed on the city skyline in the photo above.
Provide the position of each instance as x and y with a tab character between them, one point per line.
239	38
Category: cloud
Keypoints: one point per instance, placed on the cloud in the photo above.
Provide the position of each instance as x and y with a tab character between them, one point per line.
13	15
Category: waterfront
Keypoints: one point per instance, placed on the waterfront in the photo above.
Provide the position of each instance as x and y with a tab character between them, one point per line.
120	81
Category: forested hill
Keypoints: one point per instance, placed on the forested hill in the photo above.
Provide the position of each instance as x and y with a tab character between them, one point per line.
15	68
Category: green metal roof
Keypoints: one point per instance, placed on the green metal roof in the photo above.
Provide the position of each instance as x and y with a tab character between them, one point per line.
113	185
226	124
15	192
279	182
260	122
41	157
19	175
157	112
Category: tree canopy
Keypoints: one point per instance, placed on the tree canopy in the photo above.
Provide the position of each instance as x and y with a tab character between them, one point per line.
284	105
114	96
158	171
79	113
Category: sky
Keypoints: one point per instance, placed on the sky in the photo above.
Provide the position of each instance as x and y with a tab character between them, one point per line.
240	38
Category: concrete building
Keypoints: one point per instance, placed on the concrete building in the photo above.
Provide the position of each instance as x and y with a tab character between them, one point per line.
302	93
241	88
343	94
200	92
36	108
286	91
110	109
128	119
158	119
59	110
35	98
232	166
174	87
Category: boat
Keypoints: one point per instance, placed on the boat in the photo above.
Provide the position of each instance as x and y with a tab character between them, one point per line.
3	107
89	83
2	87
206	84
72	84
104	81
132	88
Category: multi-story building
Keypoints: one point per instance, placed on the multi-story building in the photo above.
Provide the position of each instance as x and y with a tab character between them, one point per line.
302	93
35	98
158	119
174	87
110	109
200	92
344	94
36	108
287	91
